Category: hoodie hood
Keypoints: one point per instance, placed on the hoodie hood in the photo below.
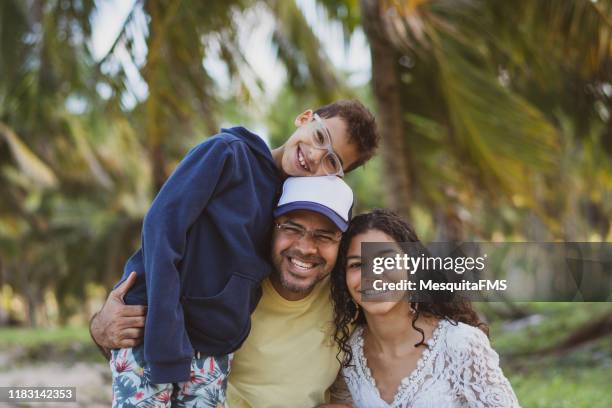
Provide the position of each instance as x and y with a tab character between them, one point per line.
256	143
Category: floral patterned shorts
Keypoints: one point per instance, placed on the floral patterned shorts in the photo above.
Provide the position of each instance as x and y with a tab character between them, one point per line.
132	386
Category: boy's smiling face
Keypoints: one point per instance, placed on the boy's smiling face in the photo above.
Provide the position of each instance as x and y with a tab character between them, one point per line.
300	155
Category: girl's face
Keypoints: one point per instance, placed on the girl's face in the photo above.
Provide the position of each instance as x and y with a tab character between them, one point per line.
353	274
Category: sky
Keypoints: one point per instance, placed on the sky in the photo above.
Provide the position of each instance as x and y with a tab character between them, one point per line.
255	34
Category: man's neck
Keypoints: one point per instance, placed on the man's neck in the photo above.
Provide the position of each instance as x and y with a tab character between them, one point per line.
286	293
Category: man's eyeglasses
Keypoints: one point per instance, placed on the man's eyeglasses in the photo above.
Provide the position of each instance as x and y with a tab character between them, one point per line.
332	165
295	232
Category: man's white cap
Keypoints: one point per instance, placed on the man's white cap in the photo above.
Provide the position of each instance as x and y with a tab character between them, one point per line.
327	195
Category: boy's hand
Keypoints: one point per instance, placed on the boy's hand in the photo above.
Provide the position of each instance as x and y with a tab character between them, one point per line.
118	325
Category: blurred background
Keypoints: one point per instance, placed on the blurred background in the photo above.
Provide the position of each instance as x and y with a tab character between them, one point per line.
496	123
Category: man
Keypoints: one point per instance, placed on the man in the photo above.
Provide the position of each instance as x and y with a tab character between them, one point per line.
289	358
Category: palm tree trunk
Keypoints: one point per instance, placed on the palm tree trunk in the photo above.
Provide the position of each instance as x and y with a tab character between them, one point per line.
156	77
386	88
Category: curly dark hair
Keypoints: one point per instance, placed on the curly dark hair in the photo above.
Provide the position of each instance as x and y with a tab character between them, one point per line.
346	312
360	124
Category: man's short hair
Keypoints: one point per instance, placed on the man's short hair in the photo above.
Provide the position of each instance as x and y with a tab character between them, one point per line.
360	124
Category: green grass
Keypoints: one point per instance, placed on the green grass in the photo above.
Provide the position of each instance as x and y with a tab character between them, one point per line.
30	337
559	321
560	388
35	345
580	377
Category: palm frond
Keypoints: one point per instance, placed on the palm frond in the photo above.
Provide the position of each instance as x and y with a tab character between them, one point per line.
32	166
301	52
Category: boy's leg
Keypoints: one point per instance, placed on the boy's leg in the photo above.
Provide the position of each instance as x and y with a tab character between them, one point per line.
131	381
208	383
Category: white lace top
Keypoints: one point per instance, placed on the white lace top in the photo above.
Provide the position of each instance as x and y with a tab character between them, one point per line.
459	369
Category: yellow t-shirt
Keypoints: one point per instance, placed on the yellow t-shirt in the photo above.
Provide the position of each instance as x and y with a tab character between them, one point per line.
289	358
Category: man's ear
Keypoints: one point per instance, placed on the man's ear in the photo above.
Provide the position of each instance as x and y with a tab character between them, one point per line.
303	117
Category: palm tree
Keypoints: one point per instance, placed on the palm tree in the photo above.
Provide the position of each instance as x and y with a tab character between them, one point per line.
474	118
459	89
44	67
181	96
71	173
74	185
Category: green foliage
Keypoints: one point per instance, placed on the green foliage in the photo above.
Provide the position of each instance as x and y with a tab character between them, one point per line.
78	166
558	321
560	388
308	68
66	345
541	371
281	114
368	185
495	96
506	108
35	337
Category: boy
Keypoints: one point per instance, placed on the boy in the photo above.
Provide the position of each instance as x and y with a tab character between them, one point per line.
204	251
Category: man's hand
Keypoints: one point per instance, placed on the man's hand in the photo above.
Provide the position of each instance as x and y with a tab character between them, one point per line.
339	394
334	406
118	325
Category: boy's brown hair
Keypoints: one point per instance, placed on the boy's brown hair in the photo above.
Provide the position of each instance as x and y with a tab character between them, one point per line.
360	125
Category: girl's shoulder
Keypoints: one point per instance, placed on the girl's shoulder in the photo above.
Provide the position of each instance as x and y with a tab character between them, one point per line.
461	339
464	330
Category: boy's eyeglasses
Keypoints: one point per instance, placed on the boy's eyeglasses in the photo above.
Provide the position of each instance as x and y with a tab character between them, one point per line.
296	232
332	165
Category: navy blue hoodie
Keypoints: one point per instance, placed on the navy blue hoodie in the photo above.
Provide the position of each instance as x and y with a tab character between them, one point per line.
205	248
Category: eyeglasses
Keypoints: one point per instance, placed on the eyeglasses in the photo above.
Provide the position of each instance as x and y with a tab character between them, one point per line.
332	165
297	232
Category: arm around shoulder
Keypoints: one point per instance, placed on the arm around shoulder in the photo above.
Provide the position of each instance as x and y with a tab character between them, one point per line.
339	394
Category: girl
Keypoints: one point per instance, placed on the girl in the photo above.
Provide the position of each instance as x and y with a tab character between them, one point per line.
403	354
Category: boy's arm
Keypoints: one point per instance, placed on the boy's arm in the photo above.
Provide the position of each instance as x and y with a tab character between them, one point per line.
180	202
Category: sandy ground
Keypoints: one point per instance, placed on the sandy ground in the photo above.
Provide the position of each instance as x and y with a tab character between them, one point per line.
92	381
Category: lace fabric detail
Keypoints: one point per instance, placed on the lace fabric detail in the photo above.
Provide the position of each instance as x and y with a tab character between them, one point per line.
458	369
413	378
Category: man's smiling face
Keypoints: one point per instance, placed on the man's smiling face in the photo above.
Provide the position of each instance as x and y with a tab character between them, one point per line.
301	262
